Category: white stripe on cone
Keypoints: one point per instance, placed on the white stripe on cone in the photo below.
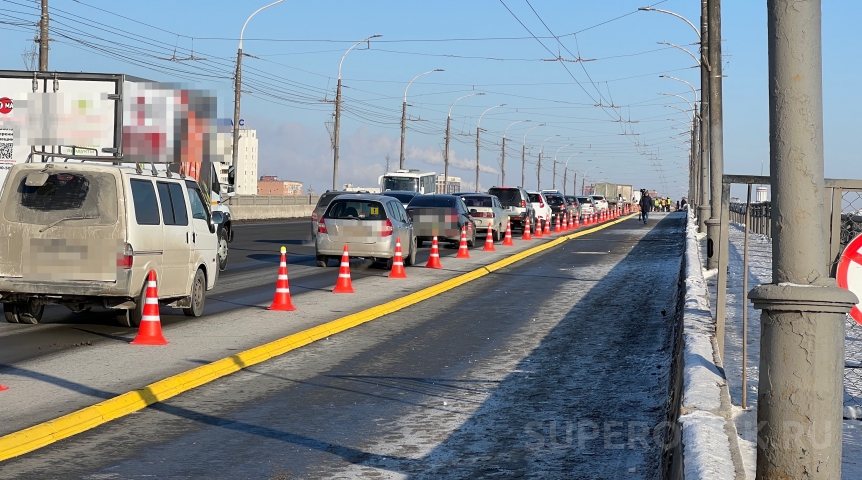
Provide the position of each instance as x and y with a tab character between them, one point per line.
151	301
282	290
150	318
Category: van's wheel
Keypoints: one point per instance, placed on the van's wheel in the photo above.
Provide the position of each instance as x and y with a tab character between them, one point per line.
132	318
496	234
10	312
198	295
410	259
389	262
322	261
28	312
222	251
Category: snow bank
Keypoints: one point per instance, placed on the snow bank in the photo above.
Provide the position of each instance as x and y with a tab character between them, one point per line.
705	444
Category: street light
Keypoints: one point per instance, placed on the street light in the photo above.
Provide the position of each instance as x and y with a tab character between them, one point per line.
237	94
651	9
524	155
404	115
477	140
584	180
539	165
554	167
503	159
696	60
566	174
446	153
690	118
337	134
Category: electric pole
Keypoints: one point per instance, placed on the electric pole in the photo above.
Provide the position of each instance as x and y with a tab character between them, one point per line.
799	399
523	164
478	129
503	161
43	38
716	140
446	156
539	172
703	209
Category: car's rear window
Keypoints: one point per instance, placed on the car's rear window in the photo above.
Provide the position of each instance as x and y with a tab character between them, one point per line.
355	209
473	202
536	198
509	197
572	200
324	200
432	201
554	200
585	200
598	197
88	197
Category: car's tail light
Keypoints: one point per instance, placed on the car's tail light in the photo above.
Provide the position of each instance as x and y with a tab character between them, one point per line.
541	204
127	259
523	203
483	215
321	227
387	228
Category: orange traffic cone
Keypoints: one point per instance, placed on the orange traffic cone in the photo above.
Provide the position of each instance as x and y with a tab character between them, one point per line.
150	331
434	258
3	387
527	228
547	227
344	285
462	248
558	227
577	220
489	241
507	242
566	222
538	233
281	301
398	262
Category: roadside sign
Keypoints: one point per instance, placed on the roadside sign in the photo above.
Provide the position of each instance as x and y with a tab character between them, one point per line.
849	274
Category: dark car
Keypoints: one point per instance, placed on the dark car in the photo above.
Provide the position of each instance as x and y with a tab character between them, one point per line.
557	202
574	206
403	197
516	203
442	216
323	202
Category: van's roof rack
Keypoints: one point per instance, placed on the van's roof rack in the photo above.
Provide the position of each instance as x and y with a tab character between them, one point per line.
115	160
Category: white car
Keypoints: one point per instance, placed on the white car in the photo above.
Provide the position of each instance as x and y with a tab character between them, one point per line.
600	202
540	205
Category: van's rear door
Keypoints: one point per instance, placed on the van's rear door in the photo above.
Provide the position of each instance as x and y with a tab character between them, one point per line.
61	225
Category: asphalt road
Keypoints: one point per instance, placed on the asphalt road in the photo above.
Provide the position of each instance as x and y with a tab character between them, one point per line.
248	279
555	367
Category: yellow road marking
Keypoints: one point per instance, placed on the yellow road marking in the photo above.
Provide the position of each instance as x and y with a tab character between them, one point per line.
38	436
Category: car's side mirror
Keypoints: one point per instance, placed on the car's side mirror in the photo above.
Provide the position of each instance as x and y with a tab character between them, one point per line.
217	218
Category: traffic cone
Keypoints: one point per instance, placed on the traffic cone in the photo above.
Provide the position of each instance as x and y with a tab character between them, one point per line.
566	222
507	242
547	227
281	301
538	233
577	220
434	258
527	235
3	387
489	242
344	285
462	248
558	228
150	331
398	262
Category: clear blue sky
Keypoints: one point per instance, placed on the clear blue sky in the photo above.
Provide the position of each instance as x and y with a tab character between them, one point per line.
482	47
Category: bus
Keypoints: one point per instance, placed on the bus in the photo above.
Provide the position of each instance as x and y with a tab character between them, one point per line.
409	181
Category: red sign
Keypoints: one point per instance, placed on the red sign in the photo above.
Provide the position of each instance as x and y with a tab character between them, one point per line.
850	273
5	105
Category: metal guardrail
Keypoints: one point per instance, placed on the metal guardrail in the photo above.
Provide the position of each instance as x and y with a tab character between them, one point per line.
274	200
843	199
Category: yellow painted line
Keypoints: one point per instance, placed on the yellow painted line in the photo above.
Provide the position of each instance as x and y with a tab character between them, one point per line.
38	436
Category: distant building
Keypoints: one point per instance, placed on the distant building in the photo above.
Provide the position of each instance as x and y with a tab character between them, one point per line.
272	185
246	163
454	185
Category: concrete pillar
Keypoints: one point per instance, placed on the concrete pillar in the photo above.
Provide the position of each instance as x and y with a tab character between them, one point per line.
802	325
716	134
703	201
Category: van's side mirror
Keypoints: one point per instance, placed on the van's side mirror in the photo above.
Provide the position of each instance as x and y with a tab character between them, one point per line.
231	193
217	218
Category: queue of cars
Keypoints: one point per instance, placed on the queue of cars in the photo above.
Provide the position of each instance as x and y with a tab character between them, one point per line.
369	224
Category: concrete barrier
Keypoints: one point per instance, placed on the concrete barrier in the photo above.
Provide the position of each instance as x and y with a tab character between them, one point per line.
270	212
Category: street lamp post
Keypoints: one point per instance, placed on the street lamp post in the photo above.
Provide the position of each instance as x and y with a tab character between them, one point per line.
524	155
478	129
446	152
566	172
584	180
699	175
539	165
337	128
503	159
404	115
554	167
237	93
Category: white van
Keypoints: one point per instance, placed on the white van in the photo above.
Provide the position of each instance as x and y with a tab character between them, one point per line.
88	234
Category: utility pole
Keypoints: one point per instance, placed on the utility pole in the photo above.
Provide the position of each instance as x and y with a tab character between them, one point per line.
523	164
446	156
799	401
565	175
404	116
716	140
43	38
503	158
478	129
539	172
703	209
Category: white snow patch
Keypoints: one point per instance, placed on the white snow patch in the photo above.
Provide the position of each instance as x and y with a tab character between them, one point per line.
705	447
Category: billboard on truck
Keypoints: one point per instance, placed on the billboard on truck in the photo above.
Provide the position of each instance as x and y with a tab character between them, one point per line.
91	114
